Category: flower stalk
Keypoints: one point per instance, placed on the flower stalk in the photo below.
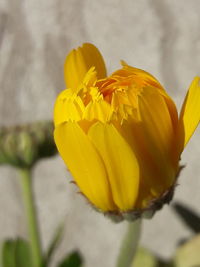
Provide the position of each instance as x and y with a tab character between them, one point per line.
34	235
129	244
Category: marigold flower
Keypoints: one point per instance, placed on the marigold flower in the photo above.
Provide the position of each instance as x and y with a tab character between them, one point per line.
120	135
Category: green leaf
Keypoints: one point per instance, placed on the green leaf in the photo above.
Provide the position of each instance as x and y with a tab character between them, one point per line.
54	243
22	253
74	259
189	217
8	254
16	253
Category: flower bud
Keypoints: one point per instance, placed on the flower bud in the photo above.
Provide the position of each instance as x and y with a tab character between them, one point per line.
121	136
22	146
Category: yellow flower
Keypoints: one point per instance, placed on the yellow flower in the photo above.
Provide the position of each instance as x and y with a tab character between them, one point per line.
120	135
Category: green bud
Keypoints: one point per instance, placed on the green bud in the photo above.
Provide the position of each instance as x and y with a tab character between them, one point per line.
27	149
22	146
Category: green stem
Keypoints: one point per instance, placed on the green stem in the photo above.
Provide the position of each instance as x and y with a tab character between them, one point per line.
129	244
26	185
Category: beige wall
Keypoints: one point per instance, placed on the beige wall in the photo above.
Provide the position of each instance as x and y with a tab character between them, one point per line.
162	37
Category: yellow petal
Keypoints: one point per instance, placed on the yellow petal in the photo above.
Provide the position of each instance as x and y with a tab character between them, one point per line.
151	176
94	58
142	77
84	164
98	110
68	107
121	164
78	63
190	114
158	130
172	109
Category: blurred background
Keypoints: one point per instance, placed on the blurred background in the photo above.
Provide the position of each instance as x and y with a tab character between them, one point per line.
162	37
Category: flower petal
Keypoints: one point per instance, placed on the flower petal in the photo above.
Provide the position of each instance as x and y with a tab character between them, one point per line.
84	164
190	114
158	130
98	110
142	77
121	164
151	176
172	110
78	63
68	107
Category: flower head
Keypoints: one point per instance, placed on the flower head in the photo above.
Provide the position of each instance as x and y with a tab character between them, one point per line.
120	135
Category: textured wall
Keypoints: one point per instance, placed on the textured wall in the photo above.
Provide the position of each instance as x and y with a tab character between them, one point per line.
162	37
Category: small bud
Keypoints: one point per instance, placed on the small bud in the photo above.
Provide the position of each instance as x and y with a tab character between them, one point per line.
22	146
27	149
